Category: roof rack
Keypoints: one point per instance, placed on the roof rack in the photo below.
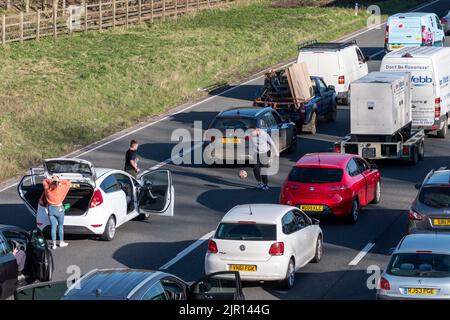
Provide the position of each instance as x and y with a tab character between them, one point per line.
325	45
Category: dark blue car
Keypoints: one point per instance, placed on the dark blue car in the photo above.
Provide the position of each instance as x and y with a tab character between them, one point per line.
276	94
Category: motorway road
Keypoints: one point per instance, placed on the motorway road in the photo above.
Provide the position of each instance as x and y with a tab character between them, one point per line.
204	195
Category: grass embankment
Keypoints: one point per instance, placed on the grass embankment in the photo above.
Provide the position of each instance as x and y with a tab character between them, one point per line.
59	95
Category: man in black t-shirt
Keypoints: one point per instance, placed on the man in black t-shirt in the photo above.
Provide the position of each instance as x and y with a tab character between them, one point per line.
131	159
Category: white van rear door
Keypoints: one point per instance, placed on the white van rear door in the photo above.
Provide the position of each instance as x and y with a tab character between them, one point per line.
423	95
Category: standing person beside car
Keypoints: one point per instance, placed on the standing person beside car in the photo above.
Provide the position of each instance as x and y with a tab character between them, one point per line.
131	159
55	191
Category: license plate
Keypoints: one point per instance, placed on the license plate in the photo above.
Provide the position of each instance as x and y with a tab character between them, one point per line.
396	47
421	291
231	140
242	267
368	152
311	208
441	222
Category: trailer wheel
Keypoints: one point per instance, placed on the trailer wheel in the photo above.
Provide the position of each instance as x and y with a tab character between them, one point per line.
421	151
415	157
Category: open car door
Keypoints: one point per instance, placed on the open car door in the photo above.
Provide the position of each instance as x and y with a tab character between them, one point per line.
39	262
218	286
41	291
156	193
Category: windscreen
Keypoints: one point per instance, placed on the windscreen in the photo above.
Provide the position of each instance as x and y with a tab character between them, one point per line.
437	197
233	123
420	265
246	231
315	175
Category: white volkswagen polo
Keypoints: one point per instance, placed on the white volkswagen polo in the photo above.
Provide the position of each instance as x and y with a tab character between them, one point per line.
100	200
264	242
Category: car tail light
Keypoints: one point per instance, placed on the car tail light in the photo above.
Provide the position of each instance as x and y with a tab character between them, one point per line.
247	138
213	138
39	224
341	80
337	148
413	215
405	150
437	107
444	20
386	35
97	199
384	284
424	35
96	225
212	247
277	249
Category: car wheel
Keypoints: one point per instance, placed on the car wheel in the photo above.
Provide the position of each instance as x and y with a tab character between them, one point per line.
331	116
353	217
377	197
288	282
443	132
319	250
110	229
143	217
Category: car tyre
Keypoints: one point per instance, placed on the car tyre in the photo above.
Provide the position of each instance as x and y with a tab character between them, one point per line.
415	157
421	151
288	282
331	116
319	250
143	217
443	132
110	229
377	197
353	217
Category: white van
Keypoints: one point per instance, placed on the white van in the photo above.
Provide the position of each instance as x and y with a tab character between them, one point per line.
337	63
413	29
430	87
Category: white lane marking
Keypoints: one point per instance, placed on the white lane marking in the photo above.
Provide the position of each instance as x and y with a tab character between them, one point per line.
188	250
255	77
361	254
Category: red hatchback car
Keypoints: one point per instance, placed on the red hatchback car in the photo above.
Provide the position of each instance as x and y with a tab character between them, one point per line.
332	184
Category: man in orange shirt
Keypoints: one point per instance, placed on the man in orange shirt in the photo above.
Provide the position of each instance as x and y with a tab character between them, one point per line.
55	191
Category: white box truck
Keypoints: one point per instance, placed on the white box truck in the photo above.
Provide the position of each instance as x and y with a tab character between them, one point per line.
381	122
380	107
430	84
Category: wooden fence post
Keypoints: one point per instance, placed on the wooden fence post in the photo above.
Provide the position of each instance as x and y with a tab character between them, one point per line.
164	10
126	13
176	9
38	24
21	26
8	4
187	6
114	13
27	6
152	15
64	7
100	14
55	26
198	4
209	4
3	29
85	16
140	10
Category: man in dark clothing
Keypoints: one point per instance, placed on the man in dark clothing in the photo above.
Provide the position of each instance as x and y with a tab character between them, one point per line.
131	159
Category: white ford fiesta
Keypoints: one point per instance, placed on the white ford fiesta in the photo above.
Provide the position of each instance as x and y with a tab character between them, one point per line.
264	242
100	200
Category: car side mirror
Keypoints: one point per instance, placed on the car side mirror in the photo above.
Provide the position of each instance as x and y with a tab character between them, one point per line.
373	167
331	87
315	221
418	186
391	251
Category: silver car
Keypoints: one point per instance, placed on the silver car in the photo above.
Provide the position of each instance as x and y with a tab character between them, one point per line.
419	268
445	21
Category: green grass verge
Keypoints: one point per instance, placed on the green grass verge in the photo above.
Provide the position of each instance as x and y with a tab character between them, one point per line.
59	95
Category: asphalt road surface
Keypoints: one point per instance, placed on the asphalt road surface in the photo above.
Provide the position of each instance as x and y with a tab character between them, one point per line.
203	195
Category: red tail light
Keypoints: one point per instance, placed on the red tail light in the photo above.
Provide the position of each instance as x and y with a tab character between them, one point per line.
212	247
424	35
437	107
444	20
341	80
213	139
337	148
247	138
384	284
405	150
386	35
414	215
97	199
277	249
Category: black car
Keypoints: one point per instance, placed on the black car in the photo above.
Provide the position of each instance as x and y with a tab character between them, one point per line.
231	137
133	284
430	210
38	263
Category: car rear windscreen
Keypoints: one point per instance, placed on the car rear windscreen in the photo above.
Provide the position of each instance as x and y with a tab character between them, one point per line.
419	265
437	197
246	231
233	123
315	175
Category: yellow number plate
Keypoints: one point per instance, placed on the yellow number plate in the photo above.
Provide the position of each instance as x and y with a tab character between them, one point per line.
397	47
231	140
421	291
441	222
242	267
311	208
